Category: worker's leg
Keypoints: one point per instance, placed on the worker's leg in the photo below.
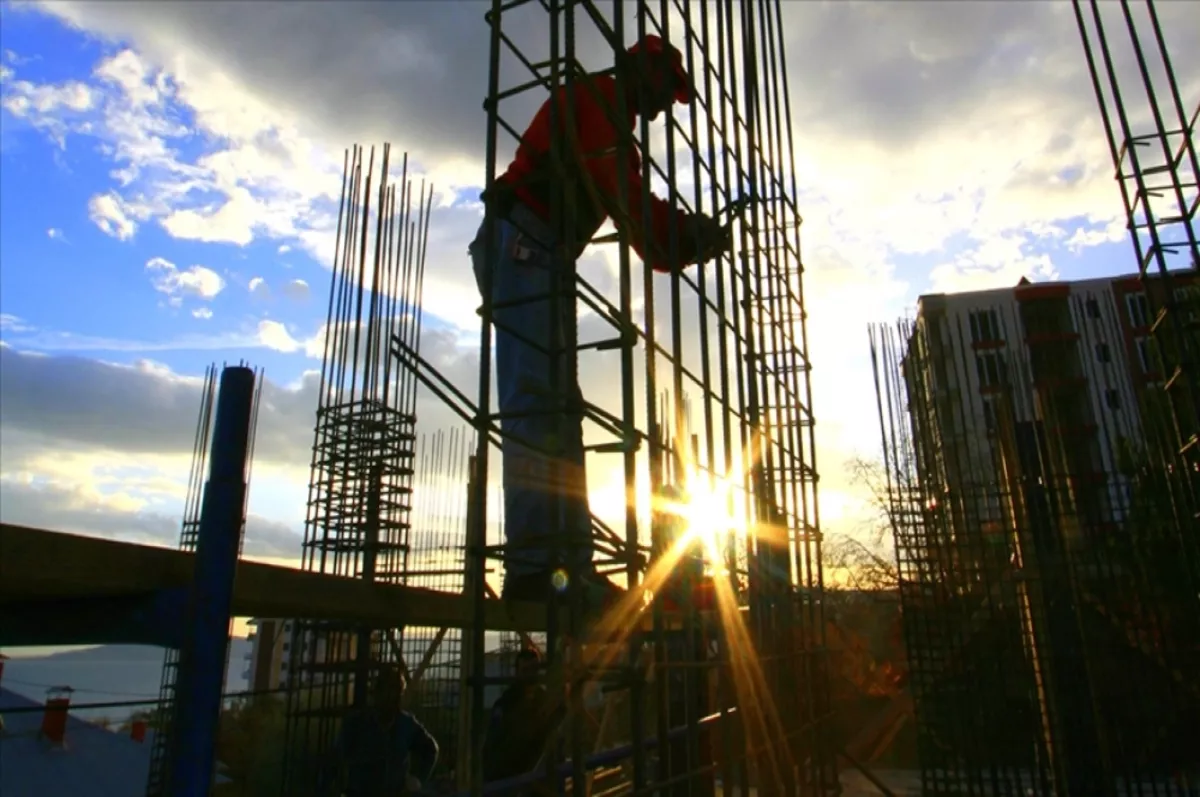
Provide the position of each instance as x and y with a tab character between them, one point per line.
526	334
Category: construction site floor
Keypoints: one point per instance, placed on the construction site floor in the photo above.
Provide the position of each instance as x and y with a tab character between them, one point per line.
901	782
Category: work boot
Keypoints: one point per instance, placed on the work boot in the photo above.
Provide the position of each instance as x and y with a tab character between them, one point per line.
599	593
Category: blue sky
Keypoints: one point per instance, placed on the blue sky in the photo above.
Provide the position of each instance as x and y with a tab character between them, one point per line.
158	160
83	290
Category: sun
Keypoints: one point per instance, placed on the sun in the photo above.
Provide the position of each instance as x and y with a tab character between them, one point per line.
705	518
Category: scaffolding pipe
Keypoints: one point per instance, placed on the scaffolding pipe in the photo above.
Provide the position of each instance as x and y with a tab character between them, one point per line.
605	758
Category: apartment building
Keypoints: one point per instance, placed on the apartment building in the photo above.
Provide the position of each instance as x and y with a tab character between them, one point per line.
1041	383
270	658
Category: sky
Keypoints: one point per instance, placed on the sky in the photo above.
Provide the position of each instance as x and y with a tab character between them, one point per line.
169	176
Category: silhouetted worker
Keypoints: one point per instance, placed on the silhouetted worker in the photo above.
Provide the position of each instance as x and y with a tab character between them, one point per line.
383	751
523	719
525	251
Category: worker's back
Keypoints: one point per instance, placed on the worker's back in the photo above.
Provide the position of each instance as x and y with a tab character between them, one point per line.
376	753
588	152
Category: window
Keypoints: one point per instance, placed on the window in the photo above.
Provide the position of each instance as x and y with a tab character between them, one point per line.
989	415
1139	309
1103	353
1187	303
1147	354
1093	308
989	367
1113	399
985	327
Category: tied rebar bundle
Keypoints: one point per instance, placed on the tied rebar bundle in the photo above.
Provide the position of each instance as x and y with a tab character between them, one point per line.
360	493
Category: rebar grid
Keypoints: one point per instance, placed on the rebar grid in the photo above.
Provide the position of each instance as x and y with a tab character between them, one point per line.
1151	138
359	503
728	343
433	656
1041	511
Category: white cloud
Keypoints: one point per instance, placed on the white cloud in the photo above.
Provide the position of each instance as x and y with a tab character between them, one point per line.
296	289
127	71
1083	238
11	323
195	281
230	221
33	341
275	335
258	288
999	262
26	100
965	135
256	175
202	313
54	234
108	212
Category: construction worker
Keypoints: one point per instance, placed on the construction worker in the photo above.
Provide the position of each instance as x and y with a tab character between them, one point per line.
524	257
522	721
382	750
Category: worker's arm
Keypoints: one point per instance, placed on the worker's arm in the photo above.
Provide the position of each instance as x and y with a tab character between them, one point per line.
330	775
494	749
422	751
611	175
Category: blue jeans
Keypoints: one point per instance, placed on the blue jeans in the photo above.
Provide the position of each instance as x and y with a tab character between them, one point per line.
545	492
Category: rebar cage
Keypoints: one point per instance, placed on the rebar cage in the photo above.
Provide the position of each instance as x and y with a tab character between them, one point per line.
713	399
1150	128
717	683
360	495
1042	512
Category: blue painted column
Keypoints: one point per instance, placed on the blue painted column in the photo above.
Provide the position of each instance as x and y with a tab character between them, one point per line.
206	636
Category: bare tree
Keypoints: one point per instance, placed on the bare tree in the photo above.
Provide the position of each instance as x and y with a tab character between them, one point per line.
866	559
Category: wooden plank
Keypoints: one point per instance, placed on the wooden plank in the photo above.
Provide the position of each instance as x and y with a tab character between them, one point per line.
36	564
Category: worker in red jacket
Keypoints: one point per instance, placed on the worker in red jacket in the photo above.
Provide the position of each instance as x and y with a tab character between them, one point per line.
525	256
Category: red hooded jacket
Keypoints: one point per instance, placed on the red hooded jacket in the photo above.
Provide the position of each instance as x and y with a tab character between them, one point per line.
598	123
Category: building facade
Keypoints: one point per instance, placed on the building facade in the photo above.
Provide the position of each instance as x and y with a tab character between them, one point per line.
1041	510
269	662
1053	381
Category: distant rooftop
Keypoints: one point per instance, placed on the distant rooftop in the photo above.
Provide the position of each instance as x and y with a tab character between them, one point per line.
1025	282
93	761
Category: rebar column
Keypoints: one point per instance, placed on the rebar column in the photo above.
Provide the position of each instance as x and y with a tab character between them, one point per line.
158	778
203	657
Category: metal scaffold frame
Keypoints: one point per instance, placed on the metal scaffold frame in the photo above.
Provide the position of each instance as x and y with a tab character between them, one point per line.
735	697
1049	605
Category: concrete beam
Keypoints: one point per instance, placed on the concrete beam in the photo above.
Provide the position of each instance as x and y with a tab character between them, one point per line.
38	565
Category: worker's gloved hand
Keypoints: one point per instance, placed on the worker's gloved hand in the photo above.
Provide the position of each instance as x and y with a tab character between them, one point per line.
709	236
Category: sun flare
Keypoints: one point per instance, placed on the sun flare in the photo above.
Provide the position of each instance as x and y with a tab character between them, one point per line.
706	518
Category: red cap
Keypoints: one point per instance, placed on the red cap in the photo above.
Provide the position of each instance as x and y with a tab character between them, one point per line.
656	47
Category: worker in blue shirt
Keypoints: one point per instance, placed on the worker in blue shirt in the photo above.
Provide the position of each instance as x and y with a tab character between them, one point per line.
382	750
